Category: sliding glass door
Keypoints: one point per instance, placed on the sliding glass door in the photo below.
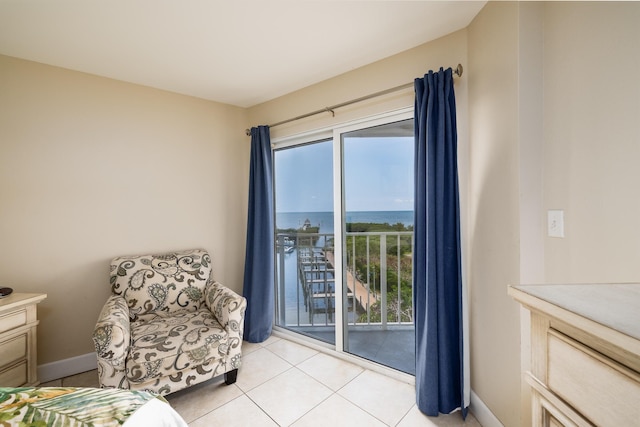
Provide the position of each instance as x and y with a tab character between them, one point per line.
344	233
377	224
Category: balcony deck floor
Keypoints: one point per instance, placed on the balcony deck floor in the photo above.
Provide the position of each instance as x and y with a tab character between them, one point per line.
392	348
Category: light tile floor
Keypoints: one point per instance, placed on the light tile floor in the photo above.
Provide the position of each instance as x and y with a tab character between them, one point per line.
282	383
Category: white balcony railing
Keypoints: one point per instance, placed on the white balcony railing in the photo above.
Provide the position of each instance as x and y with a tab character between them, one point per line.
378	278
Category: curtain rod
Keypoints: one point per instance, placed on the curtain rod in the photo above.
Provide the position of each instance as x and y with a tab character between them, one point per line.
457	71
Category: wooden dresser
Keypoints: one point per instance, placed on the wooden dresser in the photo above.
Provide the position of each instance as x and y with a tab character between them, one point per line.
18	323
585	353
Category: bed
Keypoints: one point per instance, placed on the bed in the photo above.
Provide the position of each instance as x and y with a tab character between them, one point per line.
82	406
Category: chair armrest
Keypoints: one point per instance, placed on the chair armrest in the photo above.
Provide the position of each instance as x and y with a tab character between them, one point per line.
228	308
112	333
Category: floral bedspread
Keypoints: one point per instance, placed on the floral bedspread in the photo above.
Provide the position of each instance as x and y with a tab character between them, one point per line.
69	406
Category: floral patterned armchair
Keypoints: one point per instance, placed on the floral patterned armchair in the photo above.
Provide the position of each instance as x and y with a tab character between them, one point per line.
167	324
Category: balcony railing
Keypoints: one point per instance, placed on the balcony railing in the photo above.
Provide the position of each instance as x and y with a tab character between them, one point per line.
378	278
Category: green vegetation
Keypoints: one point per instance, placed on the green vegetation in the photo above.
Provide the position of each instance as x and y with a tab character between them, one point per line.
362	227
304	236
398	256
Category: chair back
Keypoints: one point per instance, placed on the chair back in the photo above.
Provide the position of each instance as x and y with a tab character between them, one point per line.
161	284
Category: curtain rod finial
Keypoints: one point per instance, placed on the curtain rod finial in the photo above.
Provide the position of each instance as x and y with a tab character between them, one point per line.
458	71
247	132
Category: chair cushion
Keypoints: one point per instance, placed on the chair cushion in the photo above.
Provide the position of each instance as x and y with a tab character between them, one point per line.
167	344
161	283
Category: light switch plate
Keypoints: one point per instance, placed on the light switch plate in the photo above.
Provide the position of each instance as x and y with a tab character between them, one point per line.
555	223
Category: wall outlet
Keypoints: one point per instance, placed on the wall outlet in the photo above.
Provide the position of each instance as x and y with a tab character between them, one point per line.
555	223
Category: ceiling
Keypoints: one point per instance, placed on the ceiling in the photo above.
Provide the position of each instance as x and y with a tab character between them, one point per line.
241	52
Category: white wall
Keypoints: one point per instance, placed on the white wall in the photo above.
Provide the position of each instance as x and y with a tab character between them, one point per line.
494	208
554	113
391	72
92	168
592	140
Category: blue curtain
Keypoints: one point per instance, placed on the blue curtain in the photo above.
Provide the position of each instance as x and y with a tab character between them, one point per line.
437	274
259	261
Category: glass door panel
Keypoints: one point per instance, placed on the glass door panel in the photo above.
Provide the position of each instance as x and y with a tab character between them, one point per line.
305	282
377	236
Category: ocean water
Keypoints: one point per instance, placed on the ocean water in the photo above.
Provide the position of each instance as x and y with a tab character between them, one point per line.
324	220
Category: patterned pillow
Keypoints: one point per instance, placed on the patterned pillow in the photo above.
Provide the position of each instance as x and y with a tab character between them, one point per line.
161	283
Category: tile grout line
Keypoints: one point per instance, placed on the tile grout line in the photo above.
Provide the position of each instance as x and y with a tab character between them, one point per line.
293	355
333	392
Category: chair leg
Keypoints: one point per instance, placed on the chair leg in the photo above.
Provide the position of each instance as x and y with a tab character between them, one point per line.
230	377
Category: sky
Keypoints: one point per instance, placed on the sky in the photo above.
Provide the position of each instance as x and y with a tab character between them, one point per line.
378	174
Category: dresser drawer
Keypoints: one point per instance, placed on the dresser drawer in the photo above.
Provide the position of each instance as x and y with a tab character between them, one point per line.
13	320
13	350
14	376
604	391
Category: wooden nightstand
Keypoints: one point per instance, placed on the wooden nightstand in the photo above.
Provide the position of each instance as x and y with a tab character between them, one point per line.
18	323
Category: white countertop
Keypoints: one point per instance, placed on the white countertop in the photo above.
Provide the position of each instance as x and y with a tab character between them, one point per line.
616	306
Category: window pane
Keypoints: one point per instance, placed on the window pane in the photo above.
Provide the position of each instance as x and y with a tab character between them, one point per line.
378	187
305	284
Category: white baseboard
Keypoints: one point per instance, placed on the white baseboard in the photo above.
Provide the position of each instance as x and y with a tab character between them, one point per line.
482	412
64	368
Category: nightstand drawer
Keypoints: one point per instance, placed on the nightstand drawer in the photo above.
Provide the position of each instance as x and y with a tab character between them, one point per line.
13	350
13	320
15	376
604	391
18	339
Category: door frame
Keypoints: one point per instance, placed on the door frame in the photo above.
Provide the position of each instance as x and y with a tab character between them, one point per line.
339	213
334	132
